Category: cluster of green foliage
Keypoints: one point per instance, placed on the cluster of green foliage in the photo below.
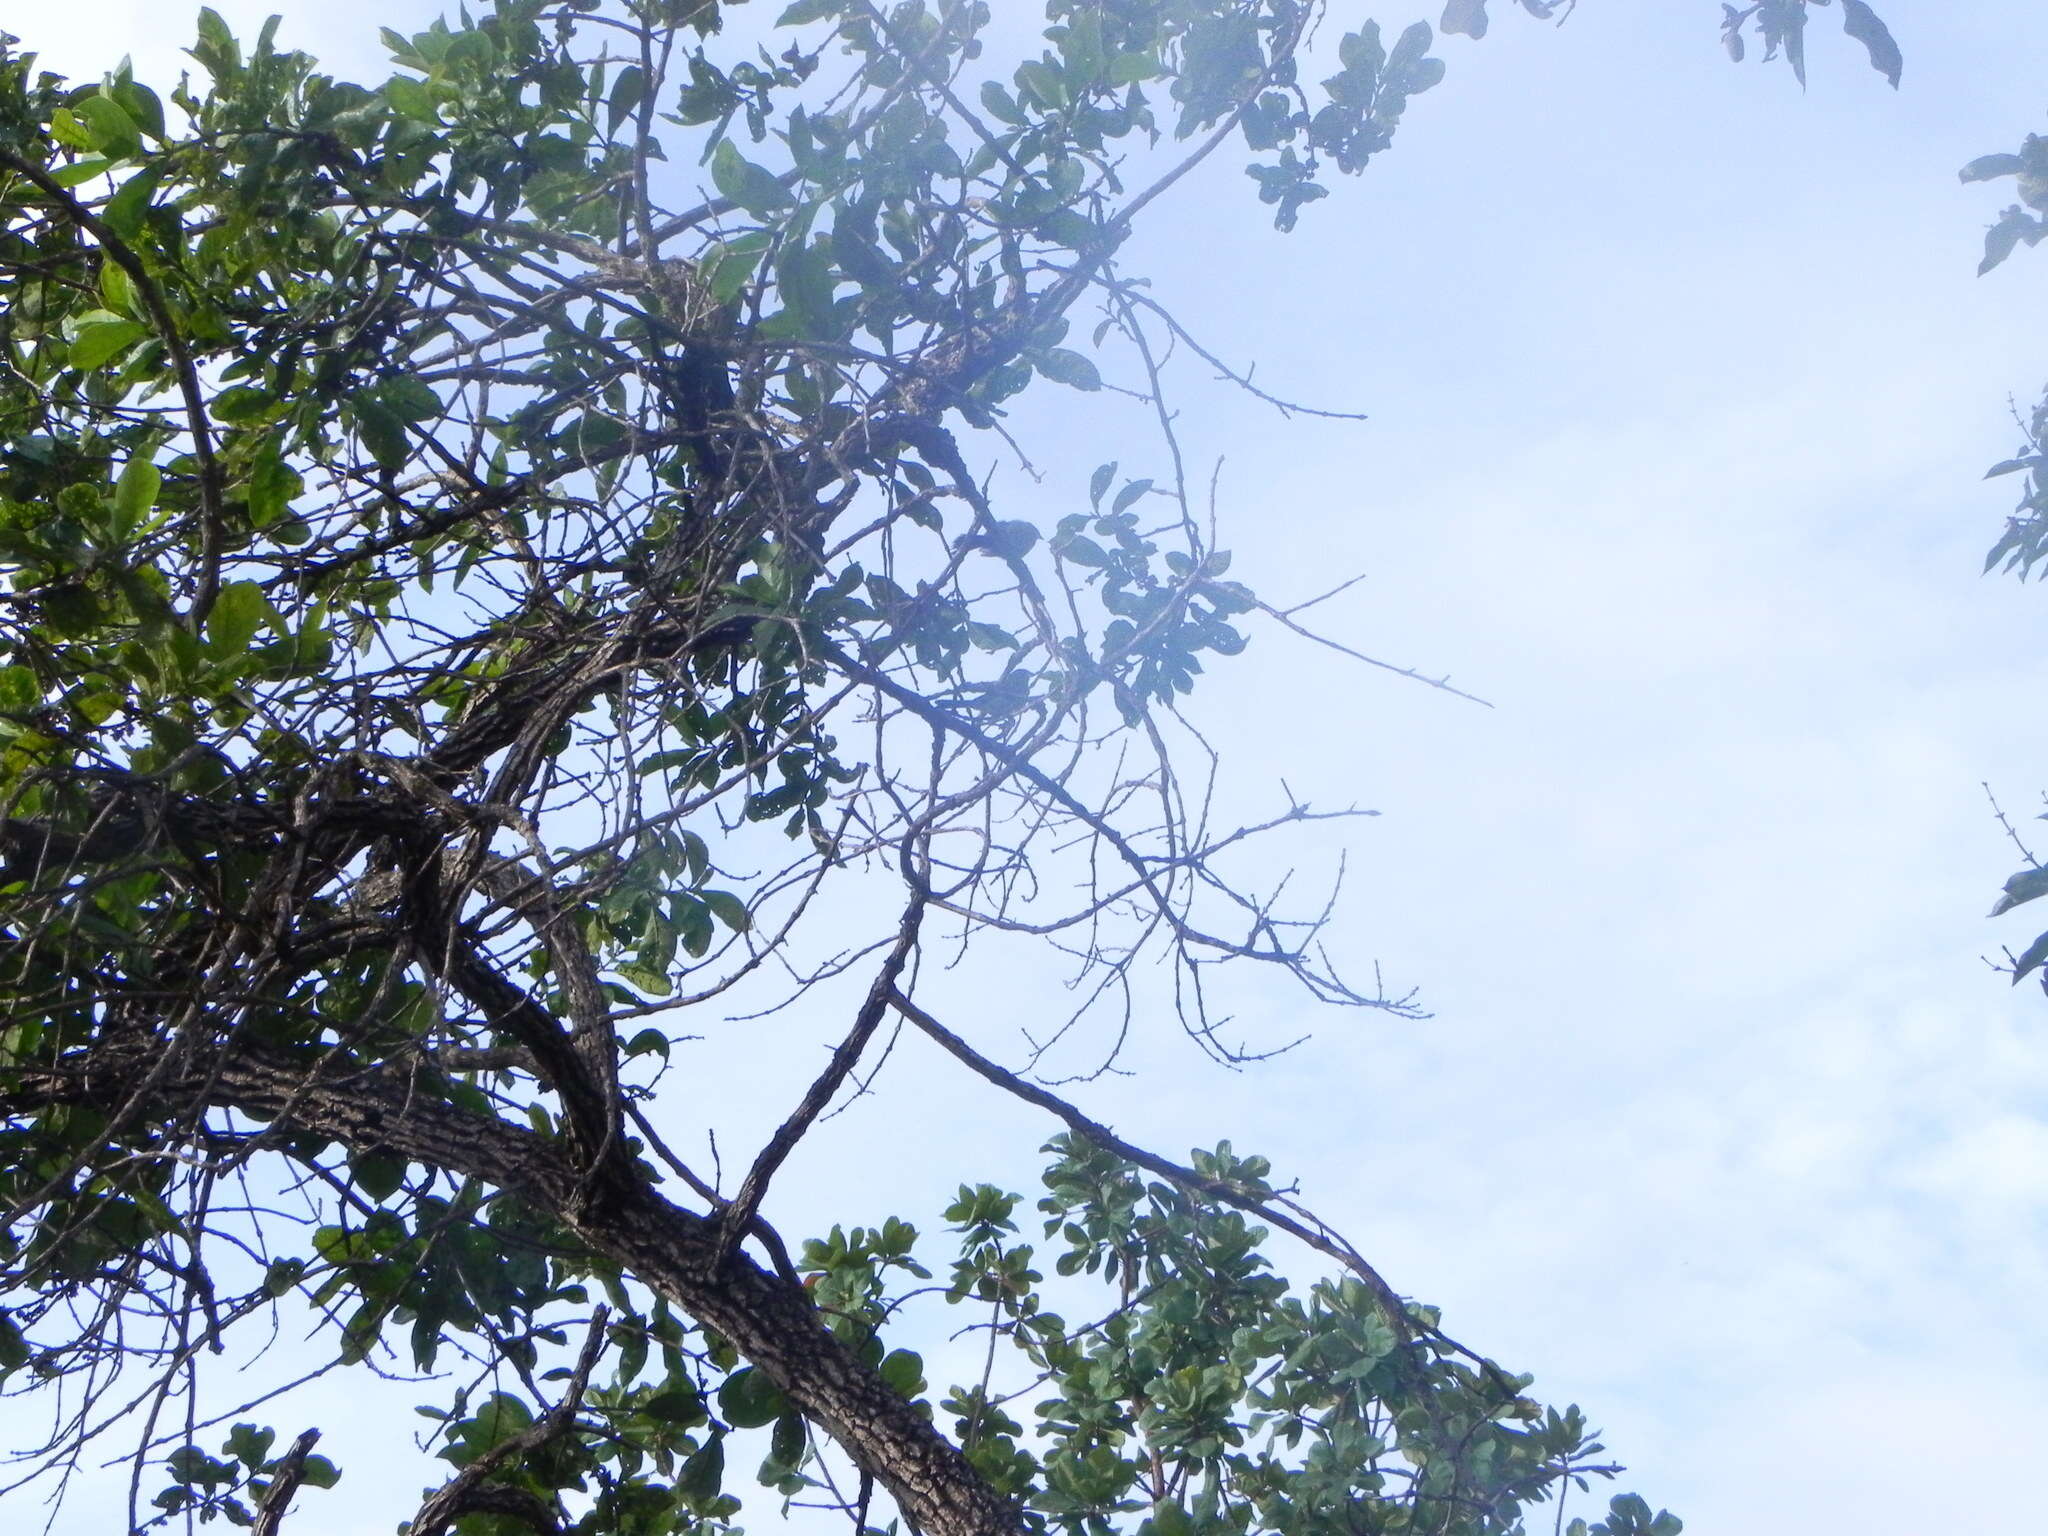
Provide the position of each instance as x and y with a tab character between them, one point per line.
1207	1399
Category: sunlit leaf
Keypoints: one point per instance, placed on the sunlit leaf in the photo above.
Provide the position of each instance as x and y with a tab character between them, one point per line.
135	494
96	344
239	611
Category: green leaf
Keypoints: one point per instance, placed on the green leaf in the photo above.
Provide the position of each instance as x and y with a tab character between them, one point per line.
319	1472
628	91
409	399
786	1441
1044	80
2013	226
360	1331
704	1473
805	275
250	1445
216	48
78	170
752	187
14	1350
107	124
1861	23
1072	368
378	1175
96	706
19	691
805	11
96	344
1465	16
651	980
281	1276
727	266
1001	104
190	1465
135	494
382	431
2010	466
2036	952
273	486
1080	549
2020	889
125	209
67	128
411	98
903	1370
238	612
650	1041
1098	483
1989	167
1129	494
748	1399
632	1353
245	405
728	909
139	102
677	1405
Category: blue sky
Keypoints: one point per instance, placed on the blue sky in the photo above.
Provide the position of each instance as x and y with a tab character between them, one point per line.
1680	384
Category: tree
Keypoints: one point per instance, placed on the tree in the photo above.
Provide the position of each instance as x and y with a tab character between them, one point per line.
455	528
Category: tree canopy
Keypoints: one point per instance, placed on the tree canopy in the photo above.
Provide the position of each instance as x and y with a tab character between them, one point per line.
502	565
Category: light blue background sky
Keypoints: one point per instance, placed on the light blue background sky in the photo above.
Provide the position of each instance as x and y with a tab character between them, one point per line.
1680	386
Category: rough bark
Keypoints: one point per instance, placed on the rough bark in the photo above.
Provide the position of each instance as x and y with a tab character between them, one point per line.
674	1252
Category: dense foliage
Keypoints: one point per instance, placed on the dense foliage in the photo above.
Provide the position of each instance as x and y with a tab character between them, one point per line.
454	529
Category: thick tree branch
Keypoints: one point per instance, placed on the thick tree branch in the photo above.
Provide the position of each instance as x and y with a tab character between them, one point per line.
284	1482
674	1252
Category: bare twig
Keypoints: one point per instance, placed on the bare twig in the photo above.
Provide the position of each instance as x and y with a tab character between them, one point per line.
1303	1226
1284	617
2010	831
739	1215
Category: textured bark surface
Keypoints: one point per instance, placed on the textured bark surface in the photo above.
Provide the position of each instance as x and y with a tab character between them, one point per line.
673	1251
